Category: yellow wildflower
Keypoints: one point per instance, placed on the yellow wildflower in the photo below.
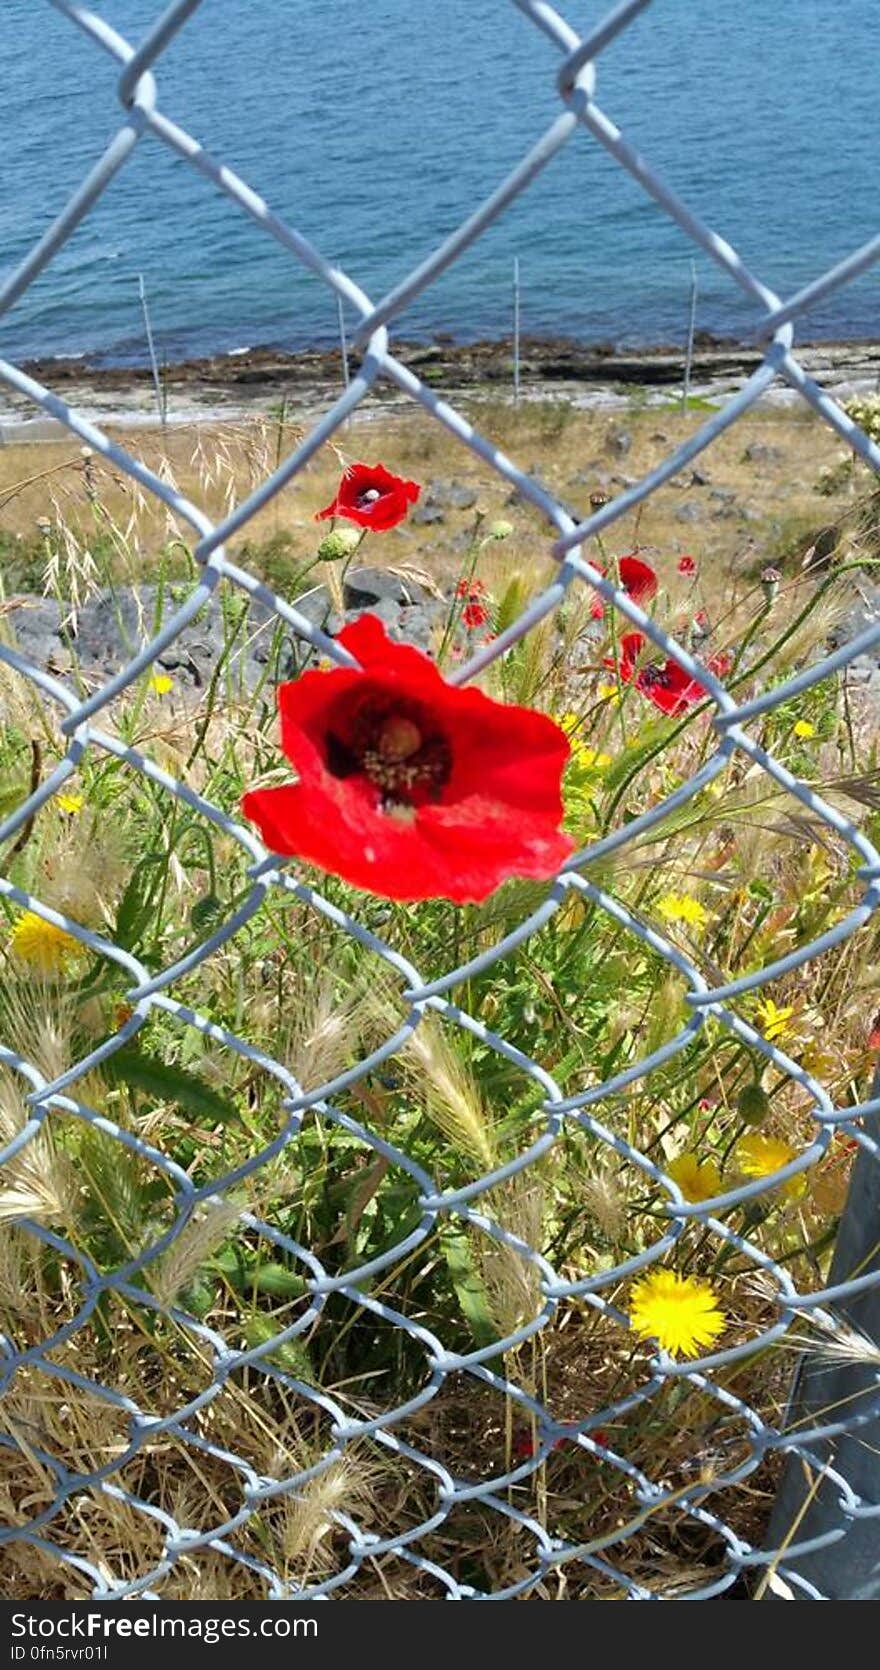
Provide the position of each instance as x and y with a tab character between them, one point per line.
697	1179
582	759
608	692
70	803
773	1021
41	945
802	727
679	907
758	1155
160	684
681	1313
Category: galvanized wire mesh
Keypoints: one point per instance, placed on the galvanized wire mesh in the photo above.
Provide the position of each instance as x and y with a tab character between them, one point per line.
427	991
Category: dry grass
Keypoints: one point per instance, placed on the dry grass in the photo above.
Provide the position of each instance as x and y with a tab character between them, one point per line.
775	506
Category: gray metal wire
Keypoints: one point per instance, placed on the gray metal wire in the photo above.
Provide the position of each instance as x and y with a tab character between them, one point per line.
427	992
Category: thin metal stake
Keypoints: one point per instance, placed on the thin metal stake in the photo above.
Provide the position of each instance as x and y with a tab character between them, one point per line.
516	367
689	353
160	393
342	342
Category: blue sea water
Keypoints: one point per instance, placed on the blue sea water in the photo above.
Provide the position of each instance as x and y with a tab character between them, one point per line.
376	126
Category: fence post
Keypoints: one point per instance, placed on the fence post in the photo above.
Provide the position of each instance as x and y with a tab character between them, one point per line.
808	1503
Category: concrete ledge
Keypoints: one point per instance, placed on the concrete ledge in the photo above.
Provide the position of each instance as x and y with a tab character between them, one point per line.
18	431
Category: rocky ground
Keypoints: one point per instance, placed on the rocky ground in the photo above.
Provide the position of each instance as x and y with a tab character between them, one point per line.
113	626
236	385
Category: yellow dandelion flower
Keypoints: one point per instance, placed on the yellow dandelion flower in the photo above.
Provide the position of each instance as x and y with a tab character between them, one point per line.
41	945
160	684
773	1021
608	692
679	907
70	803
697	1179
802	727
681	1313
758	1155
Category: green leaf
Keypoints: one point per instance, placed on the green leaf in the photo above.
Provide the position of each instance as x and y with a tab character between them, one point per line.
168	1084
273	1279
291	1355
135	906
630	760
470	1290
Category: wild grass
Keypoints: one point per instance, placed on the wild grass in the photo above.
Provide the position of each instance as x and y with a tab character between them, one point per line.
736	877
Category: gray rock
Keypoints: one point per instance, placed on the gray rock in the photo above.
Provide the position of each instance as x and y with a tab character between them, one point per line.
725	494
699	478
618	441
35	622
366	586
113	627
864	616
425	515
762	452
689	512
448	495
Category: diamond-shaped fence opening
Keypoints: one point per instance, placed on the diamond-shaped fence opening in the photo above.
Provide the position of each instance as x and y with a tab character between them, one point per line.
220	1450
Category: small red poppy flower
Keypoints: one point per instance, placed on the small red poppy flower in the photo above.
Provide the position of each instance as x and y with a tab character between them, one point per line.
665	684
474	615
409	787
472	589
874	1034
686	565
371	496
637	579
523	1445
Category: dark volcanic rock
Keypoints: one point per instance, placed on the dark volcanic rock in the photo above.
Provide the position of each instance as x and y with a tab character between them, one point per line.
114	626
366	586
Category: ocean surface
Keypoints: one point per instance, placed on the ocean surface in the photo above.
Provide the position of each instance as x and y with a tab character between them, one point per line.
376	126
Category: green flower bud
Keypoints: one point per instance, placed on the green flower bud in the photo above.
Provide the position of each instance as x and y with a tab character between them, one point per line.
500	529
753	1104
338	544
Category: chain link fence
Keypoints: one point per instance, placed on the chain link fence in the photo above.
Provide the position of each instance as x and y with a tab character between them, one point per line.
702	1501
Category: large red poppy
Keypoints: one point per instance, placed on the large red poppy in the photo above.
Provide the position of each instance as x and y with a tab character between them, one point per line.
666	684
410	787
637	579
371	496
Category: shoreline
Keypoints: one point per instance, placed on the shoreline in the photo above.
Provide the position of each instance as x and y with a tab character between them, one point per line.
243	383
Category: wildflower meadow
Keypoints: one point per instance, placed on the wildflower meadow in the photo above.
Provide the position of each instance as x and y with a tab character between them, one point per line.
438	816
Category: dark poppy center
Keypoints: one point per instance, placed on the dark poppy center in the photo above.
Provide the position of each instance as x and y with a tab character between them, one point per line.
398	749
653	675
368	497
